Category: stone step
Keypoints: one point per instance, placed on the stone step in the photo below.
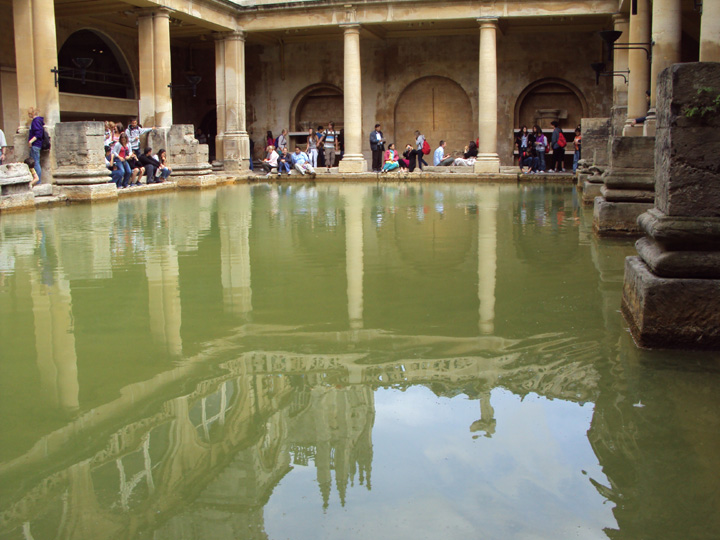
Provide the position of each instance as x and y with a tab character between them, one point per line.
43	190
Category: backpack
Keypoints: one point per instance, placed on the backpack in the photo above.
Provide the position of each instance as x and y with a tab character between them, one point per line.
561	140
426	148
45	140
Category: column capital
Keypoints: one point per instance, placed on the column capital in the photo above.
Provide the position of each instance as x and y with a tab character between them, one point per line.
145	13
237	35
161	12
350	27
487	22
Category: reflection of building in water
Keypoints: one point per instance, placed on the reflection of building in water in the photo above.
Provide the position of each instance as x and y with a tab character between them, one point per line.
353	195
487	256
163	276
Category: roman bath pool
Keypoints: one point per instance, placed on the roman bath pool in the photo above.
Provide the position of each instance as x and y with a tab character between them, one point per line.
340	361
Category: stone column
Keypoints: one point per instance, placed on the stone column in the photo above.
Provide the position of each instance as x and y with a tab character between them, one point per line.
236	144
618	111
353	160
672	290
488	160
146	68
24	59
710	31
163	75
220	95
639	66
666	35
487	256
45	55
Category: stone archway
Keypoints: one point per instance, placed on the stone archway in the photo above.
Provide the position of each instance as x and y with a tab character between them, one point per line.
440	109
316	105
108	75
550	99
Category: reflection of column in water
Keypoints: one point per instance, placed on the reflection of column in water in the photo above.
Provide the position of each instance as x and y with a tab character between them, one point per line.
163	274
487	420
487	256
55	341
354	252
235	220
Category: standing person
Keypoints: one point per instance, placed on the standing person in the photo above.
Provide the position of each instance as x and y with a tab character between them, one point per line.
270	139
416	155
330	143
540	147
440	158
252	153
282	140
558	147
271	161
577	143
35	138
134	131
301	162
377	146
522	142
321	147
3	146
312	147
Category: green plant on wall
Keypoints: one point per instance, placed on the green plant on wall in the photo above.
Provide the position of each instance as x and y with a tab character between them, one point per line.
706	103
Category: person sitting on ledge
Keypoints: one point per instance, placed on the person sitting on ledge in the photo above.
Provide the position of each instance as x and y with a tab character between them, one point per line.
152	166
440	158
165	170
301	161
271	161
116	175
284	162
391	159
469	156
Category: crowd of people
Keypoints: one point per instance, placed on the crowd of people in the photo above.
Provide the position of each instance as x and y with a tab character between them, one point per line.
127	165
322	147
533	146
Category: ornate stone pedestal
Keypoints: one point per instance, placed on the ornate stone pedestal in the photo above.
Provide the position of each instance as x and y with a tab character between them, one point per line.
671	291
80	170
15	192
186	156
595	135
629	186
352	164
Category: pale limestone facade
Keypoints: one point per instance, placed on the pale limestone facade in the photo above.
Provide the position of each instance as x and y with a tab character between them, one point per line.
456	70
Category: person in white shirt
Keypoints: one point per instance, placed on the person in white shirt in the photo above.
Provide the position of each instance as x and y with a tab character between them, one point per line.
440	158
271	161
3	146
301	162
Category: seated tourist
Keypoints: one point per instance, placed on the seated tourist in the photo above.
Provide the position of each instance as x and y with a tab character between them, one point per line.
391	159
271	160
165	170
440	158
116	174
284	162
530	160
121	151
301	161
30	162
405	160
151	164
469	155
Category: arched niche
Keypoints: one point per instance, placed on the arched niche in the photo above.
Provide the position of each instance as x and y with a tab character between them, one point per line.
550	99
440	109
316	105
109	74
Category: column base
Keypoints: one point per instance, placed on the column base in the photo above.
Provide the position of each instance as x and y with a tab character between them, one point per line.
650	125
352	163
632	131
656	317
590	190
89	192
487	163
197	182
236	151
612	218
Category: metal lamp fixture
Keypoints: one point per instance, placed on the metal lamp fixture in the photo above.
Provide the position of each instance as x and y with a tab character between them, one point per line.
81	63
611	36
599	69
193	80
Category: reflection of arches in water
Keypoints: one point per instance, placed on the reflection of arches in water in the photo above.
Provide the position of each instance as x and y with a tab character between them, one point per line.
316	105
439	108
550	99
208	414
109	74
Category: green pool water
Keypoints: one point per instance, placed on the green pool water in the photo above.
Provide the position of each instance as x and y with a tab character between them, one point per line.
340	361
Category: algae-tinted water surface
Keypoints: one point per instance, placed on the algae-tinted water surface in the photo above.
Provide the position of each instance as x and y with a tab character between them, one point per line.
352	361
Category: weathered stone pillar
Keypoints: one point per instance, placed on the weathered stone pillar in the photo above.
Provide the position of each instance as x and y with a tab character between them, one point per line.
80	167
220	96
353	160
488	160
187	157
353	195
24	58
236	144
15	192
618	111
666	35
672	290
487	202
45	56
710	31
146	67
595	136
162	71
639	65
